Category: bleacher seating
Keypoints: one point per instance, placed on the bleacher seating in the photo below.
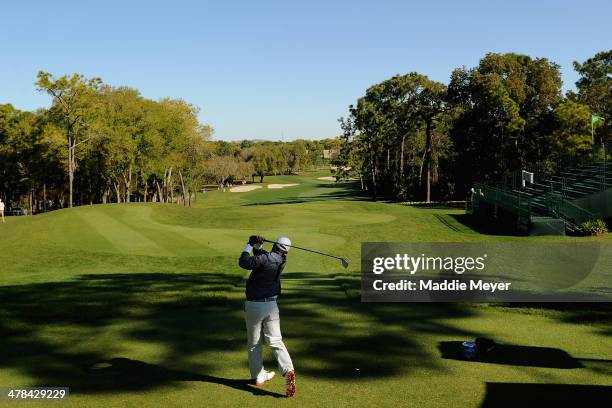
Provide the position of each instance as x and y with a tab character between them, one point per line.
552	196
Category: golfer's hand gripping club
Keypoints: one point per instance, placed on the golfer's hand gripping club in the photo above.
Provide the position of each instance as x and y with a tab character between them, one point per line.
256	240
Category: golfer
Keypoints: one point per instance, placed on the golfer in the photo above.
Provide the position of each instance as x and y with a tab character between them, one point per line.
2	209
262	315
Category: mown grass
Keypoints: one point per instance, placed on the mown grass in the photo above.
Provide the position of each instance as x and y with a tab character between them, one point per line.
140	305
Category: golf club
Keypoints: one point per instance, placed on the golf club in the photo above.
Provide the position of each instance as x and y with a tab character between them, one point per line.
345	261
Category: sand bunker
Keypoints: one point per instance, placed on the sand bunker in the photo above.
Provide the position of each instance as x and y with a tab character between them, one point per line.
243	189
327	178
281	185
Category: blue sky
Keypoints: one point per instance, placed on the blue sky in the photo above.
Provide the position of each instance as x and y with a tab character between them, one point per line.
264	69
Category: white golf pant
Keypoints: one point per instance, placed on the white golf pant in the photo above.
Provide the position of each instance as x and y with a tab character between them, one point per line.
263	324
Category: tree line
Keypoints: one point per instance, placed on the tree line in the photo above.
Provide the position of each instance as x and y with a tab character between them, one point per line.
98	144
412	138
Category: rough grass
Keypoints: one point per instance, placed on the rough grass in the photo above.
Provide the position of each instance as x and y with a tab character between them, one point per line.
140	305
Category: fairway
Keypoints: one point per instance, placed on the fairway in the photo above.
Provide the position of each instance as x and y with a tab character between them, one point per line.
141	305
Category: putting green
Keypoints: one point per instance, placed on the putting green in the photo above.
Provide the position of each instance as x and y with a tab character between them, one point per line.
140	305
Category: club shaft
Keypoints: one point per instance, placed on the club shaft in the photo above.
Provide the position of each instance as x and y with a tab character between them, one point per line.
308	250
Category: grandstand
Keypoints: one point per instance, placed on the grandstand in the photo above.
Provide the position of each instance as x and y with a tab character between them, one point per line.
556	204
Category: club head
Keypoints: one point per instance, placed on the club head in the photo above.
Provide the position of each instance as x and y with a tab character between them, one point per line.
345	262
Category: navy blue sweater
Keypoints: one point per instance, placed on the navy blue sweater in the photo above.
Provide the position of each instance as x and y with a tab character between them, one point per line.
266	268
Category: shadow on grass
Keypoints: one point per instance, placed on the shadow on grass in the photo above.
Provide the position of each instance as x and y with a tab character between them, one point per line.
506	354
545	395
444	221
347	339
483	227
439	206
343	191
70	333
54	333
50	331
127	374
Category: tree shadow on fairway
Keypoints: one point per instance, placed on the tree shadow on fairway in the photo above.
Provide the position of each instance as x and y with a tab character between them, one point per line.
54	333
354	340
344	191
124	373
545	395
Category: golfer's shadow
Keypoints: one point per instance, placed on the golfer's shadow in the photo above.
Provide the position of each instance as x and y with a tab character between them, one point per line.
133	374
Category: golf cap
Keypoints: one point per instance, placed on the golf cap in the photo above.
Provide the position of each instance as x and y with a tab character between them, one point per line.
283	243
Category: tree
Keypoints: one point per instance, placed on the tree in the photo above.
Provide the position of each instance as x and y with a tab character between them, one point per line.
29	158
395	126
595	89
351	159
430	105
191	168
120	126
296	156
15	152
365	124
262	160
73	106
504	118
572	134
